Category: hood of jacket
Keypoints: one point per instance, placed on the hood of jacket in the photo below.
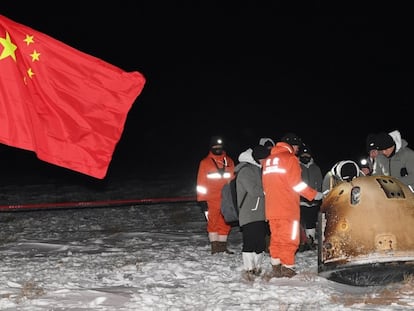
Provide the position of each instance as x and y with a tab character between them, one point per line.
246	157
282	147
265	140
399	142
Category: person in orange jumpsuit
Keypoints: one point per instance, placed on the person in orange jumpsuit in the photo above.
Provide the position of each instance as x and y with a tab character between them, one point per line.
215	170
283	186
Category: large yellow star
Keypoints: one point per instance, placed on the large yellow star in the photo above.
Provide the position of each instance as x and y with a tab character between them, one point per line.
8	47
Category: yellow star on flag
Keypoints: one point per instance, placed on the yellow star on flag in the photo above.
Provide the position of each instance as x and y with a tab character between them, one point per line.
8	47
30	73
28	39
35	55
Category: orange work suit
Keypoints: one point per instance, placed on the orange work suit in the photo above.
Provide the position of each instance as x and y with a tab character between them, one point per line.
213	172
283	186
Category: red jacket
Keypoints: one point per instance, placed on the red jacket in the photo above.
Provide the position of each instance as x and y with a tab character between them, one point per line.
209	178
283	184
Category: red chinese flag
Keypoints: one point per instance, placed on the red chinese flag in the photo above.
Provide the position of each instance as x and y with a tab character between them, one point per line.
68	107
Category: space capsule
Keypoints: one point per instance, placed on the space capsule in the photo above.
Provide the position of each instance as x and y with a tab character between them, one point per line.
366	232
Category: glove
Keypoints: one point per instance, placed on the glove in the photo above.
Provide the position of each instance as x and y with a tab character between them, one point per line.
203	205
318	196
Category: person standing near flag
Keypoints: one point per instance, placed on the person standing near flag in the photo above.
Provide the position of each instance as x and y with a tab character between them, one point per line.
215	170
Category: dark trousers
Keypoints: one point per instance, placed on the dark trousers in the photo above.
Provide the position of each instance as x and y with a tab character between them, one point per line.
254	236
309	216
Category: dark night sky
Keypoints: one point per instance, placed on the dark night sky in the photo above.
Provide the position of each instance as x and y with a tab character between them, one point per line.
243	71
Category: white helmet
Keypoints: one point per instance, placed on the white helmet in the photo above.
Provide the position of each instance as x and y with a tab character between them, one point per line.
346	170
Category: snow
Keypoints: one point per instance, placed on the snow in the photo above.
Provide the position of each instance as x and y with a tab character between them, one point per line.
150	257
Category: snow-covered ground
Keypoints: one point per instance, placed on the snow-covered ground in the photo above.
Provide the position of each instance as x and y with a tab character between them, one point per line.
152	257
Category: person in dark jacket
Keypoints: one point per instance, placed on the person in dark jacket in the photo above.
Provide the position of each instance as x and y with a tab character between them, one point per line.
312	176
367	164
250	198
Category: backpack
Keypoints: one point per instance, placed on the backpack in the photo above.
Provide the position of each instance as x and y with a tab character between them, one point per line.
229	206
